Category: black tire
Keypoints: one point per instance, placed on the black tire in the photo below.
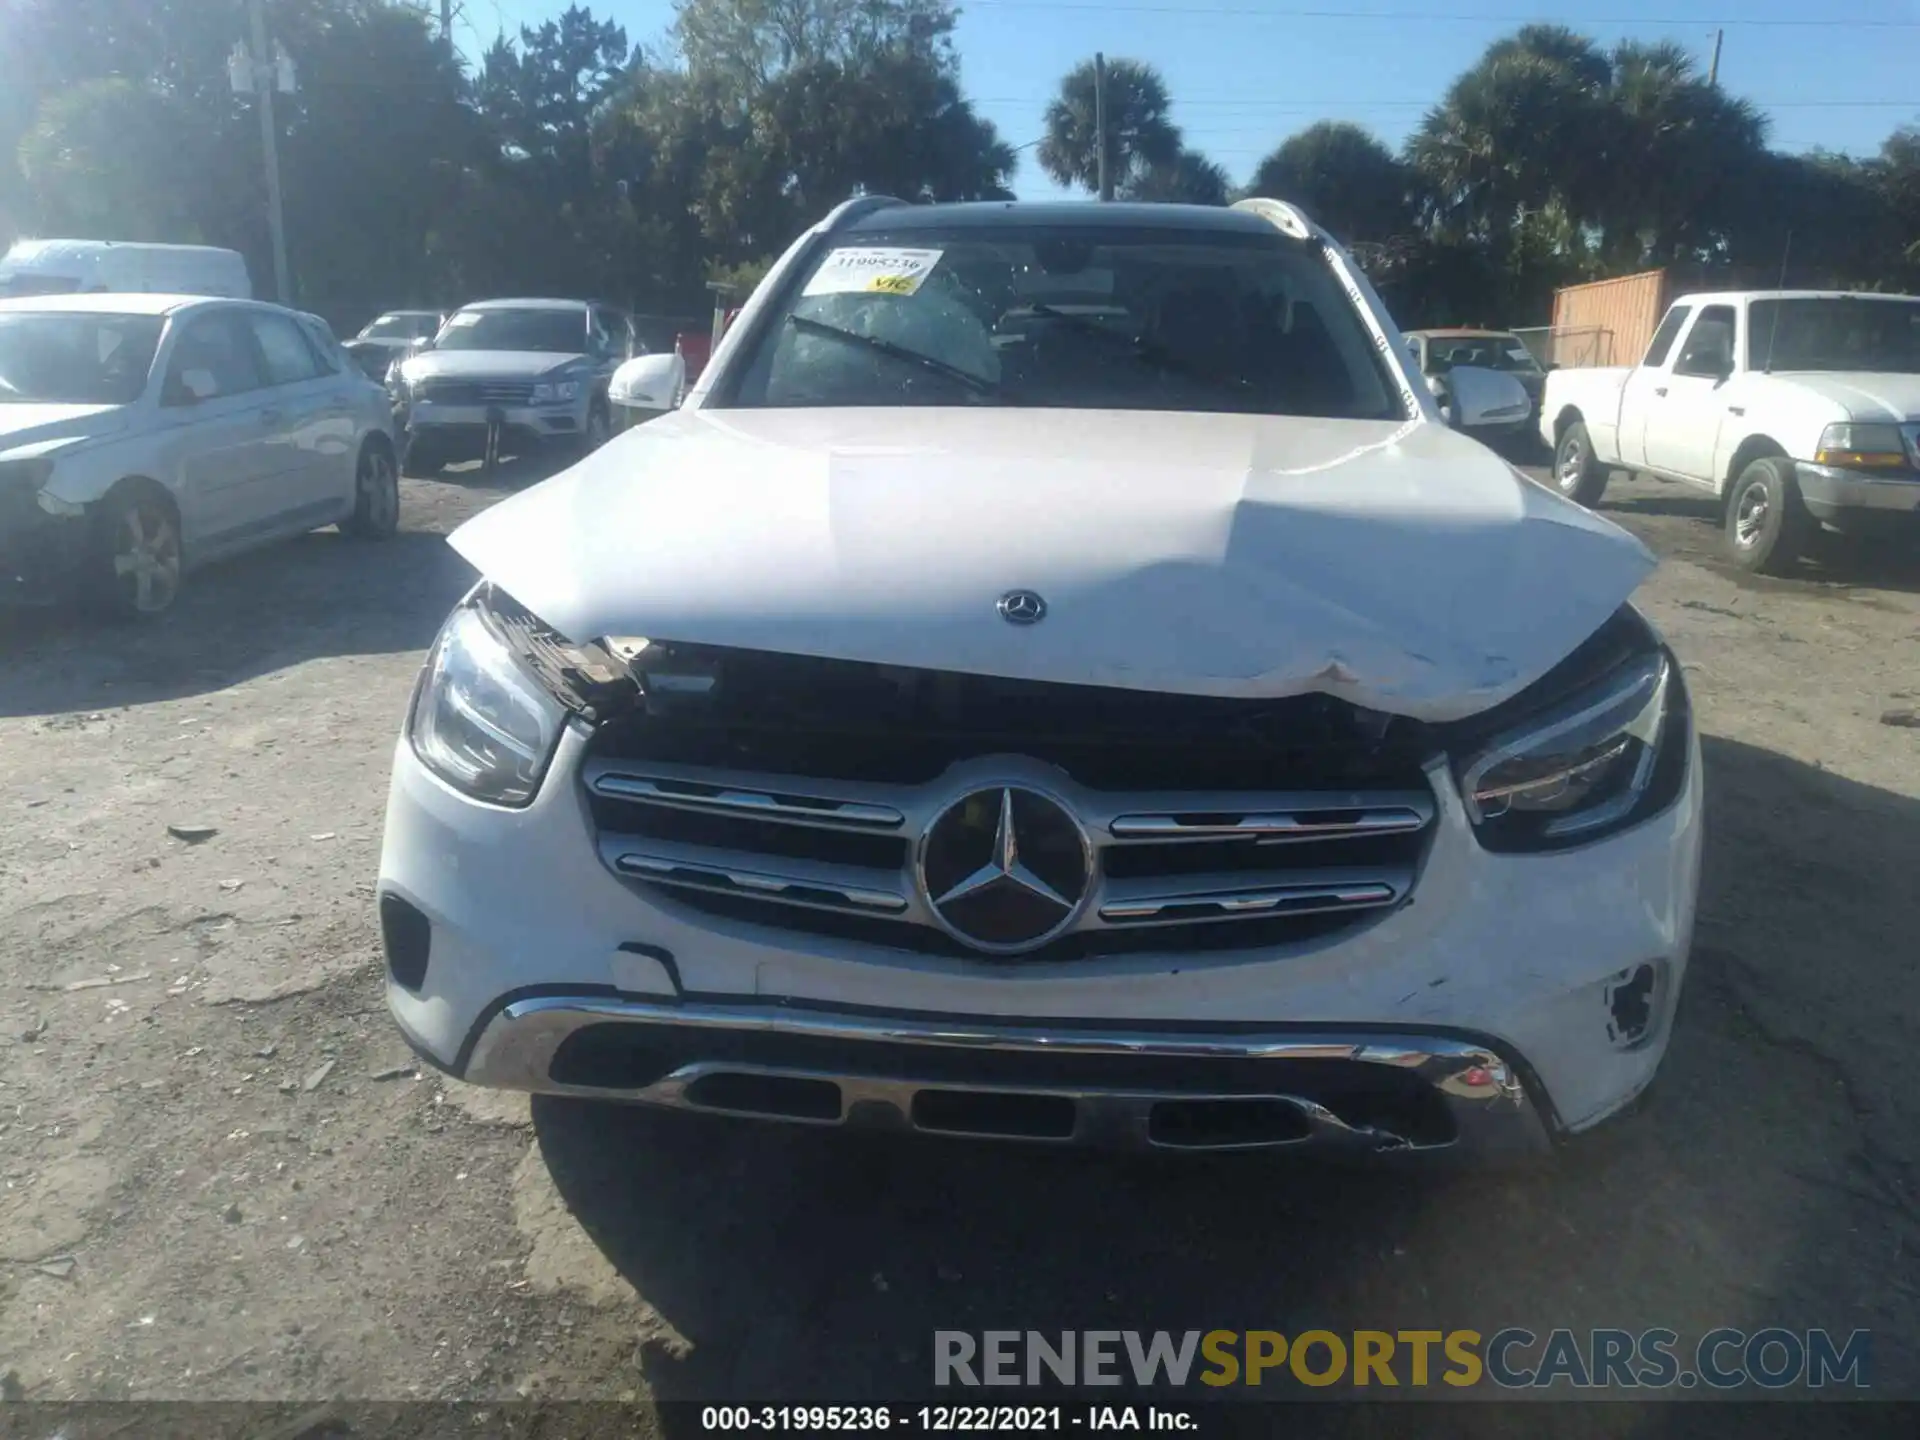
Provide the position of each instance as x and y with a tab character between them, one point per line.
1577	474
136	567
422	458
376	494
599	427
1767	524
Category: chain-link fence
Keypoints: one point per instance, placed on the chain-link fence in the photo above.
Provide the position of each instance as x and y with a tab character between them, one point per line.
1570	349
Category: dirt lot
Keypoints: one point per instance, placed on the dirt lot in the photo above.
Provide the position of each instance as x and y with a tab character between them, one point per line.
221	1176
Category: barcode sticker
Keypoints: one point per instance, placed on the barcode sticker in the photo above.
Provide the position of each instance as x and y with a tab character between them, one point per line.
873	270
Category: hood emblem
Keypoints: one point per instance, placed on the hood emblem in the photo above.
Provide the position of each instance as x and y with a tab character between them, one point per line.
1022	607
1005	870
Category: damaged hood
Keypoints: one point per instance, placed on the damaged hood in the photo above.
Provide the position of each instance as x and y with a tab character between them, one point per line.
1396	565
33	424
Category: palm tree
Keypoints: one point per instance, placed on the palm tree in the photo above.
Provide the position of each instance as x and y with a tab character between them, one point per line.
1191	179
1517	134
1139	134
1676	149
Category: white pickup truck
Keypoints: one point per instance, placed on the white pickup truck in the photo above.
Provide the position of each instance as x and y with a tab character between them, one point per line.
1799	409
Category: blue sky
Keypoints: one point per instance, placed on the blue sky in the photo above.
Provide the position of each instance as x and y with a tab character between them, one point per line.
1244	74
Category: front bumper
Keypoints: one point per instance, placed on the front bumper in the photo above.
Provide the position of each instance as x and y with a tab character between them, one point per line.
464	427
42	556
1497	990
1133	1089
1839	496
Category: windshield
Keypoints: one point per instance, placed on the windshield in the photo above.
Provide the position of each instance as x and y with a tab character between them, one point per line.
1058	317
1487	352
399	327
28	282
76	359
561	332
1835	333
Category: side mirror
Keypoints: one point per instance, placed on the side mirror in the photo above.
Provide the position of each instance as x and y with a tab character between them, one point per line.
1486	397
648	385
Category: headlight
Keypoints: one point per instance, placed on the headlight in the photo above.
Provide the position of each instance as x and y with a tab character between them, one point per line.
481	722
1862	447
548	391
1583	768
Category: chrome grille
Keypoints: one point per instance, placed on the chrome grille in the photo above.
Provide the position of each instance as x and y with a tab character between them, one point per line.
797	852
474	392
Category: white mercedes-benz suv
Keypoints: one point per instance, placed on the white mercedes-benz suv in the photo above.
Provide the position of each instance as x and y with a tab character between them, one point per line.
1056	677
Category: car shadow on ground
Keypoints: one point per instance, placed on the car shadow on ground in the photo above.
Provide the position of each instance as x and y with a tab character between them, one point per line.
1880	562
1746	1190
320	594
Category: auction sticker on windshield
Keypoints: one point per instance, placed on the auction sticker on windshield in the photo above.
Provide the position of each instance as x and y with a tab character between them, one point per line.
873	270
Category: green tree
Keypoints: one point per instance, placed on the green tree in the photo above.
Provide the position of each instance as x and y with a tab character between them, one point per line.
1139	133
373	223
112	158
744	44
541	95
1516	133
1190	179
1344	178
1676	151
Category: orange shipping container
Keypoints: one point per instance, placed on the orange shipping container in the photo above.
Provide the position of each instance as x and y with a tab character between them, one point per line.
1608	322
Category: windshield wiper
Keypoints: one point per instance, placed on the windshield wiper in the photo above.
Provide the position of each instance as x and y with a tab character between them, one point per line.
980	384
1156	357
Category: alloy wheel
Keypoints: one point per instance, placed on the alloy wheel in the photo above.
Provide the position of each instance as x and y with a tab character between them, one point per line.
146	557
1750	515
1573	464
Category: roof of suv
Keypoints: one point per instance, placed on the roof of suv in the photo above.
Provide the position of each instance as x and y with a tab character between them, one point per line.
1006	214
137	302
581	305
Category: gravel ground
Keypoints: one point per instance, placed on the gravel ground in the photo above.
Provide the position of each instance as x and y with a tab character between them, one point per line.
222	1176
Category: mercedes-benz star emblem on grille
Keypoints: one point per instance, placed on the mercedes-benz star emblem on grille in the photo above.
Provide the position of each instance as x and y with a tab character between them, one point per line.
1022	607
1005	870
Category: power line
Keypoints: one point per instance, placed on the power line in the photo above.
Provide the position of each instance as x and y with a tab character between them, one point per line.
1402	17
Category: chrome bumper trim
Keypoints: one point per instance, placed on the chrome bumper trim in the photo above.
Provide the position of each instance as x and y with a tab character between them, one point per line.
1827	488
1245	823
1482	1091
792	809
808	884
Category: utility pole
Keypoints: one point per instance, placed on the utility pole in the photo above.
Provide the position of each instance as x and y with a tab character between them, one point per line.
1713	70
446	25
264	78
1100	124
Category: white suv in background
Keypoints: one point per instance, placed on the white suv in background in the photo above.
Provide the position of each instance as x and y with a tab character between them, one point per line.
1056	677
141	435
518	373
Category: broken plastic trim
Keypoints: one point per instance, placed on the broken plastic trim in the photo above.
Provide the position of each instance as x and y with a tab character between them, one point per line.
588	679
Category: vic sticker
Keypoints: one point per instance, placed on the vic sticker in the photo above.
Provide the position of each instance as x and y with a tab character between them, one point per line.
873	270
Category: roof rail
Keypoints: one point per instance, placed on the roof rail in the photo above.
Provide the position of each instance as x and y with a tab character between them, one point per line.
1287	219
859	207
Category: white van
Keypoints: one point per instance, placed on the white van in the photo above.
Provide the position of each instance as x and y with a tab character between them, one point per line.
66	267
